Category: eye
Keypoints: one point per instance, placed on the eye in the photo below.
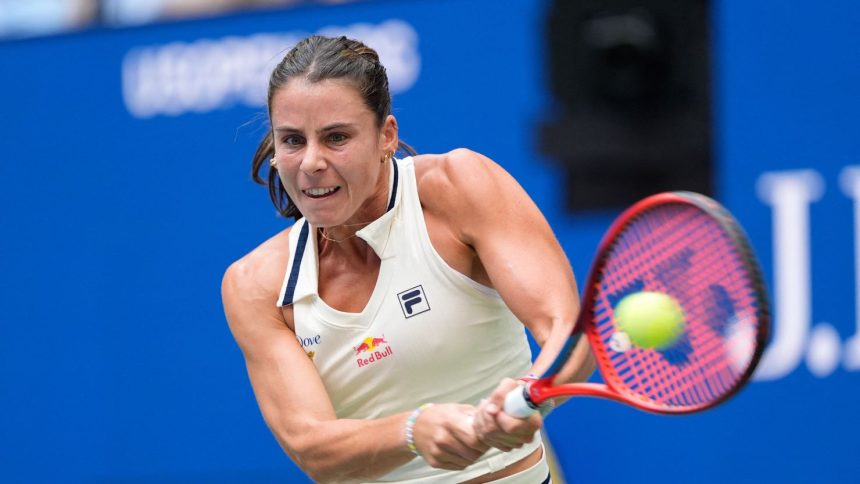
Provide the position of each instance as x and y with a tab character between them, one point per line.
293	140
337	138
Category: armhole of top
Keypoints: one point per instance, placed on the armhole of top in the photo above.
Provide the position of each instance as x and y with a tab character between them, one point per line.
430	251
294	265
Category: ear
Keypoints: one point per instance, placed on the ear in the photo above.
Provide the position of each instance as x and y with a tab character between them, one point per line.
388	136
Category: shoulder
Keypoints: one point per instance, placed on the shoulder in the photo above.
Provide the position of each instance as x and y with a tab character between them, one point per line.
461	189
254	281
265	264
459	179
450	171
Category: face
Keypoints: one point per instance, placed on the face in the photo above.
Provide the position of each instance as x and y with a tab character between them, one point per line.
328	148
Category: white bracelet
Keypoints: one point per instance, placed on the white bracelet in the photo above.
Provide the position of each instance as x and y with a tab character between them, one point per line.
410	427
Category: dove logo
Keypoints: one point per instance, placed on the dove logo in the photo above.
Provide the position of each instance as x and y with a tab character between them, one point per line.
309	341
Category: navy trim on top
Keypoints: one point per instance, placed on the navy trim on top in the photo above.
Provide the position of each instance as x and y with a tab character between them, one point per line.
303	241
297	263
393	186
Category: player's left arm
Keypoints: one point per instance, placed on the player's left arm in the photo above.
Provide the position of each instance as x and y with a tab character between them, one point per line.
490	212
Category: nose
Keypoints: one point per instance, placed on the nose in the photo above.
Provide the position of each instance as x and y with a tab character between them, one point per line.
312	159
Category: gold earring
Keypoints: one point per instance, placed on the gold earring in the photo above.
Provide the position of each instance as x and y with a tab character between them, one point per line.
273	163
387	157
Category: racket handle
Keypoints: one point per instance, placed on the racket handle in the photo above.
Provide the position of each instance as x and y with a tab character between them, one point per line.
518	404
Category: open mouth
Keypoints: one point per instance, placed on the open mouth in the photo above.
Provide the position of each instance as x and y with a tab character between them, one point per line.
320	192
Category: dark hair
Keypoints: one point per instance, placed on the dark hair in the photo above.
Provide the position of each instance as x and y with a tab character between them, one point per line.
319	58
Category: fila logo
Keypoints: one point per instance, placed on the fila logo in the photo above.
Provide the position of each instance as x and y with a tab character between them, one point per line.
413	301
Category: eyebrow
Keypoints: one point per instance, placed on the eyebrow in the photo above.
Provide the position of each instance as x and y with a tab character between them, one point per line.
330	127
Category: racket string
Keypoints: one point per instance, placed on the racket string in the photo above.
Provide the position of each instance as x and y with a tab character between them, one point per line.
683	252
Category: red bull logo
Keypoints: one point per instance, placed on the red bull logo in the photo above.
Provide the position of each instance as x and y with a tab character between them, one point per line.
371	350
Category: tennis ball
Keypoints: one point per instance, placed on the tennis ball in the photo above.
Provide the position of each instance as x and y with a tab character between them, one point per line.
650	319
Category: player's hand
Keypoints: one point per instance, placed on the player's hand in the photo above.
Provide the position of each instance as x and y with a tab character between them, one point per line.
445	437
496	428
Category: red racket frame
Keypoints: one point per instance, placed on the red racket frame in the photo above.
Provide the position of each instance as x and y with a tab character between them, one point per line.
542	389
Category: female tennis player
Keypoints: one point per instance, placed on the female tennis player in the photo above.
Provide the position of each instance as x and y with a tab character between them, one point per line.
376	327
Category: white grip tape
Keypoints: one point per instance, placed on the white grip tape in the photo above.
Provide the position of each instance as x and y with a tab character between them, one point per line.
516	404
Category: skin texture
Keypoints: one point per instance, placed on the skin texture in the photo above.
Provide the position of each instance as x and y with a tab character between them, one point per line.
327	138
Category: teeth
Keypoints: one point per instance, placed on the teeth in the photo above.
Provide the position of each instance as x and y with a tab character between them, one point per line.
316	192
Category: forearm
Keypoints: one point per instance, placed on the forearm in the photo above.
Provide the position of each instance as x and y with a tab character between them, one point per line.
551	337
550	333
327	448
292	397
347	450
580	365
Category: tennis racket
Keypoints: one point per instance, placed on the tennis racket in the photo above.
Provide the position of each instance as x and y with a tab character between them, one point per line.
687	246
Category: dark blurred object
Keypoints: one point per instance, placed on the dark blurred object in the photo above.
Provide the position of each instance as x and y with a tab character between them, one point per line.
633	83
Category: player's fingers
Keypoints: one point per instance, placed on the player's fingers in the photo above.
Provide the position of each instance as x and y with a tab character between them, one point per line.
497	398
505	441
453	444
484	423
444	461
452	463
505	432
524	428
464	452
473	441
501	445
489	431
440	452
449	453
491	435
464	432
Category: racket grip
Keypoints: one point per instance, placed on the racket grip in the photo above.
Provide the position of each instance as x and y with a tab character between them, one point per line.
518	404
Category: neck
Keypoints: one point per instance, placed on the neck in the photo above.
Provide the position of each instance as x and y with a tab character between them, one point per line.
374	208
337	236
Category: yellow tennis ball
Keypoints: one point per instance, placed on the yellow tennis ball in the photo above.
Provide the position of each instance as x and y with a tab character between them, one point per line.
650	319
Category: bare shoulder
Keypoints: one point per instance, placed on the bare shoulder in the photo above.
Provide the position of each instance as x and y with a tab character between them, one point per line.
460	185
258	269
252	283
457	169
456	181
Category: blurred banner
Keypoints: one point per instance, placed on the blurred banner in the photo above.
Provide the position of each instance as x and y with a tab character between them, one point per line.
125	193
33	18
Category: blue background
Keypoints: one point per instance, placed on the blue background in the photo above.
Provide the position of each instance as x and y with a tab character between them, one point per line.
116	364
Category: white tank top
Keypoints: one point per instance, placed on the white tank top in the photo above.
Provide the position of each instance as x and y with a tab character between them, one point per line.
427	334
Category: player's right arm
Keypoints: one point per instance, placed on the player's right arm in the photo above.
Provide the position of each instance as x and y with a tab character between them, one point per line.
293	400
